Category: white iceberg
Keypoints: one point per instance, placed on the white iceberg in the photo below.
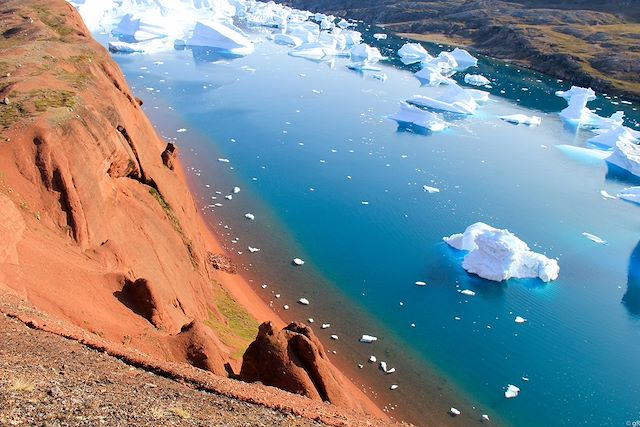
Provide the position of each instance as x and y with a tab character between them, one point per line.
512	391
372	359
430	190
366	53
626	155
431	75
380	36
352	37
453	411
463	58
303	301
468	292
520	319
421	283
631	194
595	238
287	39
522	119
298	261
315	51
363	66
499	255
444	61
221	36
411	53
454	99
608	138
368	338
410	114
578	113
476	79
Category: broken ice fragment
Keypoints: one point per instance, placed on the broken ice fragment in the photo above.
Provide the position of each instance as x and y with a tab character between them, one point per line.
303	301
219	35
420	283
453	411
372	359
512	391
520	319
334	337
252	249
522	119
298	261
368	338
631	194
393	386
468	292
430	190
594	238
325	325
410	114
249	216
236	190
476	79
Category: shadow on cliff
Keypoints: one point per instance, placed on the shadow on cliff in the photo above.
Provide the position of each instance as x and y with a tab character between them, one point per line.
631	298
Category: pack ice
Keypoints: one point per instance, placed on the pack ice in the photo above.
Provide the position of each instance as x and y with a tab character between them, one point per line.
499	255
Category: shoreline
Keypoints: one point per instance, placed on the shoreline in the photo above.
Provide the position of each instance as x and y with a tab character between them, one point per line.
240	289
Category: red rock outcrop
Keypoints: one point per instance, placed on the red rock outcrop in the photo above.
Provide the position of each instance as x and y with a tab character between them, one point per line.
293	359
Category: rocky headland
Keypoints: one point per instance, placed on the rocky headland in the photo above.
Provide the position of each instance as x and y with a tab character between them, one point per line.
587	43
101	243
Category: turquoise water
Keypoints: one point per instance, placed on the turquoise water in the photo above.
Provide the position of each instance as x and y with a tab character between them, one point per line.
294	130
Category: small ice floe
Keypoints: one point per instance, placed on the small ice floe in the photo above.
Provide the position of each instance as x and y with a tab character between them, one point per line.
366	53
454	99
454	412
421	283
253	250
430	190
287	39
411	53
384	368
372	359
393	386
468	292
360	365
325	326
364	202
410	114
286	307
363	66
310	320
334	337
463	58
316	91
222	160
606	195
522	119
236	190
264	286
498	255
228	196
250	216
594	238
380	36
181	130
485	417
277	295
476	79
626	155
298	261
303	301
631	194
431	75
520	319
368	338
512	391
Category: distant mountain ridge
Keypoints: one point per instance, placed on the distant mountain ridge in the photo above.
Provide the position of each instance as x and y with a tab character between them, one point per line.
586	42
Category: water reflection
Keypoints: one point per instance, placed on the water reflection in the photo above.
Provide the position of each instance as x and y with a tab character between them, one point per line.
631	298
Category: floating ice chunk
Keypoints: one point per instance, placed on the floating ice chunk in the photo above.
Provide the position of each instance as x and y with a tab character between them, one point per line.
454	99
252	249
308	32
366	53
228	197
287	39
631	194
303	301
430	190
512	391
236	190
606	195
221	36
372	359
499	255
383	366
368	338
410	114
93	12
313	51
420	283
485	417
223	160
431	75
468	292
325	326
380	76
363	66
310	320
286	307
123	47
626	155
578	113
520	319
585	155
476	79
344	24
380	36
453	411
393	386
298	261
595	238
352	37
250	216
608	138
519	119
334	337
463	58
411	53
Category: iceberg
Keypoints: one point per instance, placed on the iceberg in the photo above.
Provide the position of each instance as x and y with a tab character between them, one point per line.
366	53
512	391
608	138
521	119
410	114
250	216
454	412
499	255
368	338
298	261
303	301
454	99
287	39
411	53
468	292
595	239
315	51
221	36
444	61
626	155
520	319
352	37
463	58
631	194
476	79
363	66
431	75
380	36
578	113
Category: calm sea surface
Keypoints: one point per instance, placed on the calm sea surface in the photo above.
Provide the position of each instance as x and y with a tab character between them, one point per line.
308	142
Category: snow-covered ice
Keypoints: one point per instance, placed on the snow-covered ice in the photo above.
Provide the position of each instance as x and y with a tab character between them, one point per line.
476	79
512	391
411	53
522	119
410	114
368	338
631	194
626	155
498	255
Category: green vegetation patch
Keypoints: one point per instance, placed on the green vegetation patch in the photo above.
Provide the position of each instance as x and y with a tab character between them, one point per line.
12	113
167	209
44	99
238	328
55	22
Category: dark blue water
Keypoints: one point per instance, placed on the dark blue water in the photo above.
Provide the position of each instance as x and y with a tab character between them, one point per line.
295	130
